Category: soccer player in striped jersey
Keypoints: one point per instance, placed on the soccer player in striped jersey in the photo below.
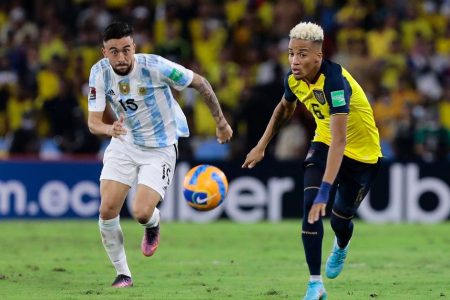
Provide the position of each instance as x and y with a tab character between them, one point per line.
344	156
143	147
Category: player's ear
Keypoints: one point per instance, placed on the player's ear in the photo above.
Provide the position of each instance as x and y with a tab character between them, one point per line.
104	52
319	57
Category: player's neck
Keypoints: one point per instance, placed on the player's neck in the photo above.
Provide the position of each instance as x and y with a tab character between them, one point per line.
314	75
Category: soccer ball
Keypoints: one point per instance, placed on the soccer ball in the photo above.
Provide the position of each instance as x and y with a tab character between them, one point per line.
205	187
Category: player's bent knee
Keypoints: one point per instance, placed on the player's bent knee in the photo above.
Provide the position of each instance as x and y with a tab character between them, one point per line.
143	219
141	215
143	210
339	222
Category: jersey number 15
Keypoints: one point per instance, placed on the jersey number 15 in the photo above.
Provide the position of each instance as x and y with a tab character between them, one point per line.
129	104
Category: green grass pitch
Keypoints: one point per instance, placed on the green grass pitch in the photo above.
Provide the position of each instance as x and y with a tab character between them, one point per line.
221	260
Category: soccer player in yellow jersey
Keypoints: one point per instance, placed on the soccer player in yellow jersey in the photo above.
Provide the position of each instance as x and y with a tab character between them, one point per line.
343	158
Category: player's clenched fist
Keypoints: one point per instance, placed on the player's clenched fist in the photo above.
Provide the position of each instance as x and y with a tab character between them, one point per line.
117	129
224	133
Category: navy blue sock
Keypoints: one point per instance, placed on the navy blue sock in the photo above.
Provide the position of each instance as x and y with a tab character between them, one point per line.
312	235
343	229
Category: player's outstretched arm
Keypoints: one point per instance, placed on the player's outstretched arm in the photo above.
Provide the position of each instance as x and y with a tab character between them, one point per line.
97	126
223	129
282	113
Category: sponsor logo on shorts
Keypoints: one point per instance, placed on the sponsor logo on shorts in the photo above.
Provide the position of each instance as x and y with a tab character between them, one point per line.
310	153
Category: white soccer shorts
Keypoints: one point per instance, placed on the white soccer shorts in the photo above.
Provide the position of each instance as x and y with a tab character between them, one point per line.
153	167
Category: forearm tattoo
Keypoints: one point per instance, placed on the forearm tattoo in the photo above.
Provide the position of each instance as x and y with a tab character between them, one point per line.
279	119
211	100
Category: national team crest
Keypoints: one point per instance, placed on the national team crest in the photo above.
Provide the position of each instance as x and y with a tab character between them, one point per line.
142	91
320	96
124	87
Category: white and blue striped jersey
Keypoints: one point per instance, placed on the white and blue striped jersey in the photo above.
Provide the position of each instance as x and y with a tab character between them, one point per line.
152	116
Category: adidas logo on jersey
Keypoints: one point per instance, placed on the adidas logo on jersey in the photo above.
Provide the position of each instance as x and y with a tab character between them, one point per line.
110	93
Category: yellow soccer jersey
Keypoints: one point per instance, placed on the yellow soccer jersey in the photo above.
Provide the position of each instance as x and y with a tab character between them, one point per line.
336	92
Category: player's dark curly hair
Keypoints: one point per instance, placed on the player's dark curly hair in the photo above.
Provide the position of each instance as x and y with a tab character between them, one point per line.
117	30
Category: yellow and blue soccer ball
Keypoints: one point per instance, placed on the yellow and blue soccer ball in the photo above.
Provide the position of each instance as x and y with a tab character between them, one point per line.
205	187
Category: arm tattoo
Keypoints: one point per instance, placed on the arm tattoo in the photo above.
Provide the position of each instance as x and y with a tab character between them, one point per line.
278	122
210	98
279	119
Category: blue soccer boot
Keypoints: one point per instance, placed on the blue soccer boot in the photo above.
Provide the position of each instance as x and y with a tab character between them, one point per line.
336	260
315	291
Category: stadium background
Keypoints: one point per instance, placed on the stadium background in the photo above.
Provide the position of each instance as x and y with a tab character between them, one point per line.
397	50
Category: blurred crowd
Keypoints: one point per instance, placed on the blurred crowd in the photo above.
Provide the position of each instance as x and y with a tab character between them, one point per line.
398	50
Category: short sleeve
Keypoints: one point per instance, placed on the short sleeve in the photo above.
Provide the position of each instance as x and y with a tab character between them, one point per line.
96	96
288	94
174	74
337	90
